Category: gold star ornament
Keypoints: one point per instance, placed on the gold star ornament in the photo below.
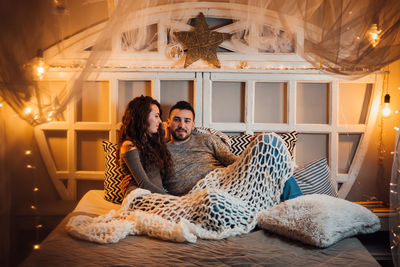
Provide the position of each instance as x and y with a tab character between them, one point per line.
202	43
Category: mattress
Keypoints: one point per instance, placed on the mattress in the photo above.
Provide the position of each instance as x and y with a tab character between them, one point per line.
258	248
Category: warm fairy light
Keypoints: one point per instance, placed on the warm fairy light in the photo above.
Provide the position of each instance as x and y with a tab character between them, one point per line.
35	189
28	152
374	35
33	207
396	128
29	166
36	246
28	110
1	105
39	226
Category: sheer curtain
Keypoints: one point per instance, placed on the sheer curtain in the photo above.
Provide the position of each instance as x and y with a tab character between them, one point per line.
337	38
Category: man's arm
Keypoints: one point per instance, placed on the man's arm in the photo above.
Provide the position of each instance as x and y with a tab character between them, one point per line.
221	151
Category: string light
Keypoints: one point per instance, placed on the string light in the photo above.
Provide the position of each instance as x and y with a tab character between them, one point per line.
38	226
396	128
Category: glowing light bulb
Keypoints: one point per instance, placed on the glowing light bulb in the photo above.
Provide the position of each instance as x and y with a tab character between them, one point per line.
39	67
28	152
35	189
28	110
386	110
39	226
40	70
33	207
36	246
396	128
374	35
1	105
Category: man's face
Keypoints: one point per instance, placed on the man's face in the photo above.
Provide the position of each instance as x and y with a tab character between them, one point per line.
180	124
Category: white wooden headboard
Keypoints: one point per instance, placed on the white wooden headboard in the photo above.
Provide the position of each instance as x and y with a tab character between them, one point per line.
279	93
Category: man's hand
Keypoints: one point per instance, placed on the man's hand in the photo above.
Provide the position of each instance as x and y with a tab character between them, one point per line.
125	182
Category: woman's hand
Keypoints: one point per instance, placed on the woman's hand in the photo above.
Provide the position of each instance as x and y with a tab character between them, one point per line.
125	182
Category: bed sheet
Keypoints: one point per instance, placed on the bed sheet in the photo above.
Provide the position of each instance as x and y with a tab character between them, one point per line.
258	248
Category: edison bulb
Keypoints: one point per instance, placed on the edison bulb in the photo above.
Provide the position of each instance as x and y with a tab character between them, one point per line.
386	110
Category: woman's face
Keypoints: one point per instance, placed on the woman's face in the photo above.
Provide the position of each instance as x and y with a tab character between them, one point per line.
154	119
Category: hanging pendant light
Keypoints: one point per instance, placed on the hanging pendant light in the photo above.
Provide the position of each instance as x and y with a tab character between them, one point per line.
386	109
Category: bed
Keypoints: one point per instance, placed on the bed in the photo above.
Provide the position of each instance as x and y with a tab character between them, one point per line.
256	248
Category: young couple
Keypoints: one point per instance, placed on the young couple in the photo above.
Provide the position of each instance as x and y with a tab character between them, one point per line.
191	161
191	187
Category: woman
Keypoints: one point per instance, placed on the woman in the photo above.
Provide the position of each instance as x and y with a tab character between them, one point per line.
142	150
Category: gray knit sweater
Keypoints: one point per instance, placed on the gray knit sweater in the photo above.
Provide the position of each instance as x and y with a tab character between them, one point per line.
194	159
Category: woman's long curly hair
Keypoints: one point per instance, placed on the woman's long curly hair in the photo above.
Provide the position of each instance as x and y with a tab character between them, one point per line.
135	127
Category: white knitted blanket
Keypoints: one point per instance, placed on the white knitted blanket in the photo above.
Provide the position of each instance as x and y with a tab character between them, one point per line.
224	203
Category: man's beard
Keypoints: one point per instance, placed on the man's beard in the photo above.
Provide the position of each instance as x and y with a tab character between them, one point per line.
177	137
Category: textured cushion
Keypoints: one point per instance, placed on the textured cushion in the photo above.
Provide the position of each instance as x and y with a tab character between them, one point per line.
318	220
315	178
113	174
239	143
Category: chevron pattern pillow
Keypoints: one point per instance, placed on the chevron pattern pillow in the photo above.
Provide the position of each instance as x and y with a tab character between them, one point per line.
239	143
113	174
315	178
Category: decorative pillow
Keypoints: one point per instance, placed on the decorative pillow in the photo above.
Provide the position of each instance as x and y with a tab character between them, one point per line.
315	178
112	175
239	143
220	134
318	220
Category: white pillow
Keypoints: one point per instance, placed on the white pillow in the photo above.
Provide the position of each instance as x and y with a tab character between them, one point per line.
318	220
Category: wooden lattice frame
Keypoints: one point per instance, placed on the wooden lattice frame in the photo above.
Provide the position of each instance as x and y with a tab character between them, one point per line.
74	52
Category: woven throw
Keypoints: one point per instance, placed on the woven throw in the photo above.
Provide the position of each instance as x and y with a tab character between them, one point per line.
225	203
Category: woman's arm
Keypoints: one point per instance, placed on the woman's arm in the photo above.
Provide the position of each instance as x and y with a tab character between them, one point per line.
132	159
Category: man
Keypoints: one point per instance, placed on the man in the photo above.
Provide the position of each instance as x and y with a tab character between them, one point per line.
195	155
